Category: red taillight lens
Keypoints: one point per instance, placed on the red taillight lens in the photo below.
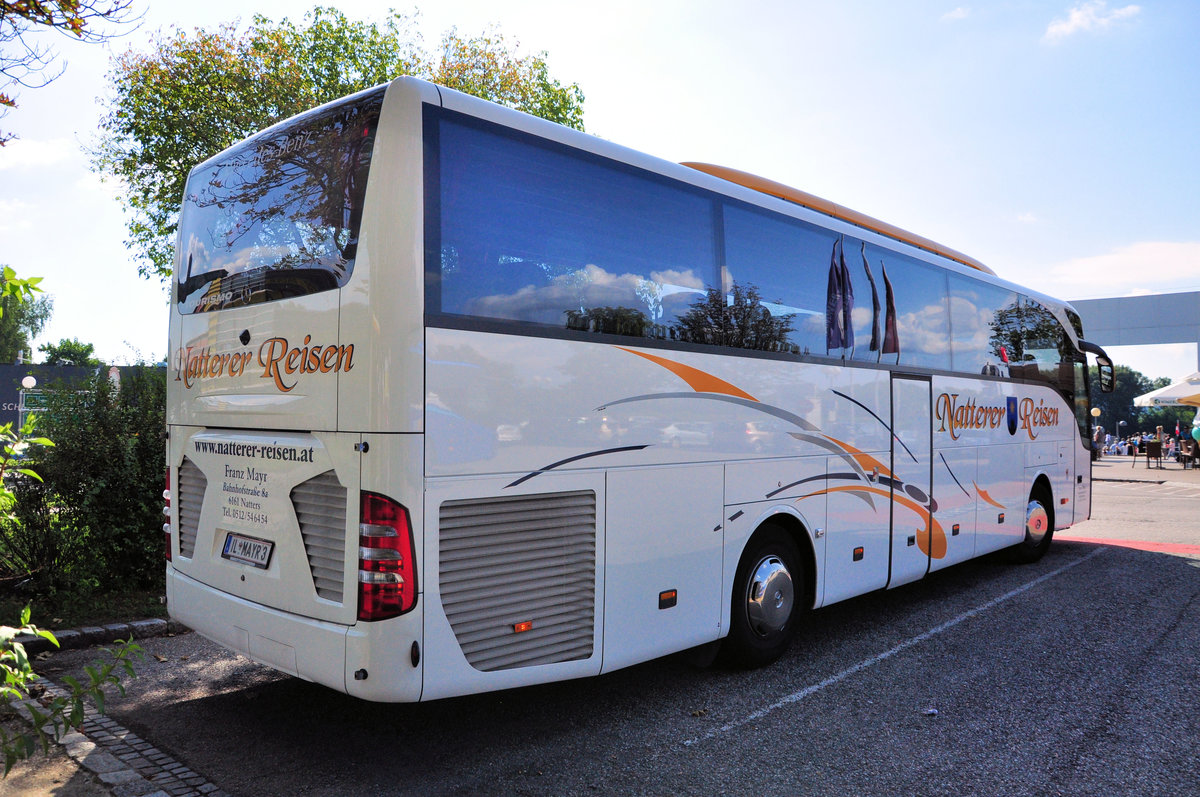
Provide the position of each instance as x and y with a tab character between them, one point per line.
167	515
387	573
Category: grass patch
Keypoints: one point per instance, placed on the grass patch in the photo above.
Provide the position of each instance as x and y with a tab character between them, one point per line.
67	611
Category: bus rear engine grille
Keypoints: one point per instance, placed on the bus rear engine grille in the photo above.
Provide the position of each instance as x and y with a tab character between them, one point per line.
320	505
518	578
192	485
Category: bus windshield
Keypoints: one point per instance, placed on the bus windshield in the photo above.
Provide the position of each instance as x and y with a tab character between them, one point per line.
278	216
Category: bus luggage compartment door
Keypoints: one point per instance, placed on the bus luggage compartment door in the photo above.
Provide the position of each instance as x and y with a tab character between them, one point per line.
664	545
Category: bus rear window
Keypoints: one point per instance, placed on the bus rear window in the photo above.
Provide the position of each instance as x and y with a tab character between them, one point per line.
279	215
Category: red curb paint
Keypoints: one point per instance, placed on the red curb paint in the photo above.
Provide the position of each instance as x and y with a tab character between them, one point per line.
1140	545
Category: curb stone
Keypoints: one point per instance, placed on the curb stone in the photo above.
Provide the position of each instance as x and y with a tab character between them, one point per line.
95	635
124	763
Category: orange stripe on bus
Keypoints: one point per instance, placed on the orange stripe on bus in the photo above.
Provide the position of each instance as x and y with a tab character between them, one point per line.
984	495
697	380
931	540
865	461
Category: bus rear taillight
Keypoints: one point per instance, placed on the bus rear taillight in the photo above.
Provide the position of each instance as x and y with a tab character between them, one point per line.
387	574
167	515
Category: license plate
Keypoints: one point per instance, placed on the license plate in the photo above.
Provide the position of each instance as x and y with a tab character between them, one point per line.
247	550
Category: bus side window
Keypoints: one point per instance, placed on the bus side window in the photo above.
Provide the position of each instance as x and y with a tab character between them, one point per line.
1043	341
784	261
922	321
565	241
981	325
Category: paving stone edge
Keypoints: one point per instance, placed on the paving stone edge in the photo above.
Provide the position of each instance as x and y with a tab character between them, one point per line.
101	635
125	765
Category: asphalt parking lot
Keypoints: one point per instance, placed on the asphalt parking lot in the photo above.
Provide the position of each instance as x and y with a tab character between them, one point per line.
1075	675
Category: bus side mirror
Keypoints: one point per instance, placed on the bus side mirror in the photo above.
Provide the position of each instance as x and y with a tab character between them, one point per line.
1108	379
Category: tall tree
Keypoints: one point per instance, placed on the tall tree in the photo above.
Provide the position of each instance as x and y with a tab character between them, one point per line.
71	351
22	318
194	94
1118	405
25	60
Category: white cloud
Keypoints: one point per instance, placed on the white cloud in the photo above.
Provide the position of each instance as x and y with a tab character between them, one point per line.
959	13
1140	268
14	216
1027	218
107	187
24	153
1092	15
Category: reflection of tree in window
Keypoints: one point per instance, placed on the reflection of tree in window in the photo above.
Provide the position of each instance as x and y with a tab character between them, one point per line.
609	320
291	200
1007	338
1035	341
737	320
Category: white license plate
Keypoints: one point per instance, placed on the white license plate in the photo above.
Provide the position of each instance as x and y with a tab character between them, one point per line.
247	550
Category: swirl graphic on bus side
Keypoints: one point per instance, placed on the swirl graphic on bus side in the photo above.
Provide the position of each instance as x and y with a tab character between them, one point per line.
868	478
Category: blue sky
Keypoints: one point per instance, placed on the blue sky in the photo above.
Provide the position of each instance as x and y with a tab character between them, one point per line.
1052	139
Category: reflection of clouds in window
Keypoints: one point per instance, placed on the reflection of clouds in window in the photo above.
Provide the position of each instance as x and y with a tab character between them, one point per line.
861	318
925	330
812	328
972	325
195	253
974	311
674	281
666	293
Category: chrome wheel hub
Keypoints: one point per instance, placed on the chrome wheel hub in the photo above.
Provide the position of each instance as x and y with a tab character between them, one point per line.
1037	522
769	596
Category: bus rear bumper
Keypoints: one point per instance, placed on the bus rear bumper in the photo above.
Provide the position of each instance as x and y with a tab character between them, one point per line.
373	661
299	646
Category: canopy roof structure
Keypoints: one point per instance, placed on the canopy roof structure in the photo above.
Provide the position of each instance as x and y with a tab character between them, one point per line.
1185	392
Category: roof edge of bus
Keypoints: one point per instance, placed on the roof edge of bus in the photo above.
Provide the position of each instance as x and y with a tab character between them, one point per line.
805	199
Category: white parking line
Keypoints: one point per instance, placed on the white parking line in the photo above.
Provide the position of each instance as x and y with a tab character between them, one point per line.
796	697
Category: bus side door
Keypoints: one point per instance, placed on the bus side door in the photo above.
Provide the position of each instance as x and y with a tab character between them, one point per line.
912	477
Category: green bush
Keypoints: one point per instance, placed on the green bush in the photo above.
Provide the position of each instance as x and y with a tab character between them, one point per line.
37	550
95	522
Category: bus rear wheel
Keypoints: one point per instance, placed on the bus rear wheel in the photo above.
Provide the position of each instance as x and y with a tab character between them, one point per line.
1039	527
767	592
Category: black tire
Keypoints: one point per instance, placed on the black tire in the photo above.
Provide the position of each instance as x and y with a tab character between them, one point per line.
769	592
1039	527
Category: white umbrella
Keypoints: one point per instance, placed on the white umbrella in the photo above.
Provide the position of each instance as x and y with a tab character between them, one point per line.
1184	392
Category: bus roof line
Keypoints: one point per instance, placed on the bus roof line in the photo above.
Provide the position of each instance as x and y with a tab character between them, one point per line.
805	199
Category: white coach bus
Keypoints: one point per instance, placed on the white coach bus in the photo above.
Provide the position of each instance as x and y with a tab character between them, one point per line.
463	400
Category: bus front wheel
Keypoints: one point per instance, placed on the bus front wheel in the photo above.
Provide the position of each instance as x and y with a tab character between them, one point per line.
1039	527
767	591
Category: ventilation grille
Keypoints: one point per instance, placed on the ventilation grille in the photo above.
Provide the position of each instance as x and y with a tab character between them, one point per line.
320	505
527	559
192	485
